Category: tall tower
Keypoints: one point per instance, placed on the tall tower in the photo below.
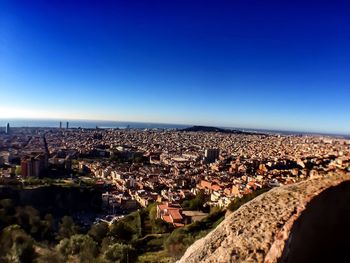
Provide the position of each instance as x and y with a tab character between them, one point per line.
60	125
67	125
211	155
8	128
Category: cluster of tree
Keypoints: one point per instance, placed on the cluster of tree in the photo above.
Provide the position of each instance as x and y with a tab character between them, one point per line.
28	236
100	244
196	203
21	227
27	218
24	232
32	181
16	245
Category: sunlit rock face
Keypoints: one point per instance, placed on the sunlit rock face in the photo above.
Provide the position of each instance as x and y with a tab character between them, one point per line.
281	225
322	232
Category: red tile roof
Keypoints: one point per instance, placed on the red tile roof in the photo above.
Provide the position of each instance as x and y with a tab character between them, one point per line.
167	219
175	214
162	207
215	187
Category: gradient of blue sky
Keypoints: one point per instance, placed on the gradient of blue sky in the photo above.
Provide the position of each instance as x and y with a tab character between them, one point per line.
254	64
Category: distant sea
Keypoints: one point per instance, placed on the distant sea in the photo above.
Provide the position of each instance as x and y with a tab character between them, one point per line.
90	124
87	124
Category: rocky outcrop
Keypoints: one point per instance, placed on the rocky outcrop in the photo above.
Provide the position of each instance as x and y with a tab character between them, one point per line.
258	231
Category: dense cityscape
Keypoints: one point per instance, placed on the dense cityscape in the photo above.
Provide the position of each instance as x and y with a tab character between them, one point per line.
184	176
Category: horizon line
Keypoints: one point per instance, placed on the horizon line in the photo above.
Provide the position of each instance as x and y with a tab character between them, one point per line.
180	124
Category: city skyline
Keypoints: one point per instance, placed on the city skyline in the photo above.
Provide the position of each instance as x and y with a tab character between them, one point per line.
268	65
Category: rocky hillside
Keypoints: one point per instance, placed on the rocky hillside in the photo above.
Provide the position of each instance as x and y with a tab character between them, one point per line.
258	231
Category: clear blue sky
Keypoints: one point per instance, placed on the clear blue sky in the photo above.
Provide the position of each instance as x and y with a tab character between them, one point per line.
256	64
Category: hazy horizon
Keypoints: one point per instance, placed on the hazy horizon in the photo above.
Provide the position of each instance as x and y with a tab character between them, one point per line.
75	123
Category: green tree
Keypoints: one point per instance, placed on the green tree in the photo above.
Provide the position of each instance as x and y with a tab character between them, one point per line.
186	204
82	246
16	246
7	213
196	203
29	219
67	228
153	212
63	247
52	257
18	170
106	242
120	253
98	231
159	226
122	231
47	227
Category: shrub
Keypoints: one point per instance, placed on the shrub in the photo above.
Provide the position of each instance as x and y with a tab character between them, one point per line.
98	231
67	228
119	253
81	245
16	246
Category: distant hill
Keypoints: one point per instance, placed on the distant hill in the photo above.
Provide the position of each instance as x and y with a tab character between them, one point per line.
204	129
216	129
